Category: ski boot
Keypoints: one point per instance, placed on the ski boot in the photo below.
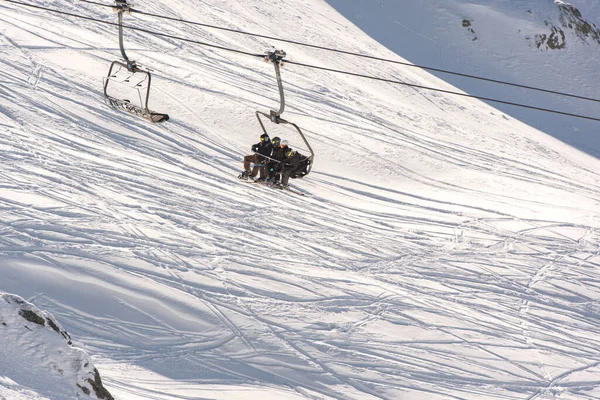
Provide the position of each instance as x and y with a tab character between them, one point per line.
244	175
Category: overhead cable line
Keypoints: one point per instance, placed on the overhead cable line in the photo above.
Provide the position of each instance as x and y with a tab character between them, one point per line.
442	90
407	64
135	28
97	4
308	65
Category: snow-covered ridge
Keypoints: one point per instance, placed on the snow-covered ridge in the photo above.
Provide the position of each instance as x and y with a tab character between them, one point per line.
569	25
559	26
553	45
36	355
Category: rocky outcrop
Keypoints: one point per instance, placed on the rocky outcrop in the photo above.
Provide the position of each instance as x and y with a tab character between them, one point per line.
31	334
570	20
565	26
467	24
30	313
555	40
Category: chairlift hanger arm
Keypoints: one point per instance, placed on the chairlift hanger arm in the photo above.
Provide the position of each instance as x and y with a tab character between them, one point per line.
276	57
120	12
121	6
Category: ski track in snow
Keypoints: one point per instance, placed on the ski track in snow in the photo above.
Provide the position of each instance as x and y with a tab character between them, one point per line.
138	238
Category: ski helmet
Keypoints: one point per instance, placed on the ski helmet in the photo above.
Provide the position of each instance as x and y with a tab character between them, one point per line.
264	137
284	143
276	140
290	153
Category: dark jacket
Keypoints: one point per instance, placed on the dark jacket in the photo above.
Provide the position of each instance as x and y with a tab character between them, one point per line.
279	153
263	148
296	166
293	162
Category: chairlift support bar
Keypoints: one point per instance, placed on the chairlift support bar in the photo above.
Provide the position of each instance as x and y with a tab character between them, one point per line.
121	7
276	57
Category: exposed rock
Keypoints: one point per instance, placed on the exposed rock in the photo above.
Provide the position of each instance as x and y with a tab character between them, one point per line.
52	323
554	41
570	17
101	392
32	314
27	327
571	20
466	23
32	317
84	389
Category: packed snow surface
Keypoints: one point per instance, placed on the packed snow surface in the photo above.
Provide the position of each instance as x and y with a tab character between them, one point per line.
442	249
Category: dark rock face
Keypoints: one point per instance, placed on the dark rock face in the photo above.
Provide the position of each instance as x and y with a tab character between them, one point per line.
571	18
32	317
101	392
32	314
553	41
567	26
467	25
99	389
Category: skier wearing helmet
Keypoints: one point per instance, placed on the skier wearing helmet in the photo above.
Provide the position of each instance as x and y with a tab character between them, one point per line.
289	165
262	150
279	149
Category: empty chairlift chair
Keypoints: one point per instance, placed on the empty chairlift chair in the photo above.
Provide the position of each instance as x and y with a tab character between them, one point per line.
127	86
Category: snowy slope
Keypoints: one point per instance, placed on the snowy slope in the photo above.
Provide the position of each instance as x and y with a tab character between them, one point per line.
442	249
499	39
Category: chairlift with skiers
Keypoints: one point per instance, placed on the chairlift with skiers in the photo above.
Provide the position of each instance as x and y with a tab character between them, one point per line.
127	86
276	57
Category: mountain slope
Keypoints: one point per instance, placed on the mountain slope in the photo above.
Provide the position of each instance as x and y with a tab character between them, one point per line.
442	249
549	44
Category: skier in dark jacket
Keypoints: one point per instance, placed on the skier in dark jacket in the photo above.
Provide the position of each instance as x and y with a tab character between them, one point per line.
262	150
280	147
289	166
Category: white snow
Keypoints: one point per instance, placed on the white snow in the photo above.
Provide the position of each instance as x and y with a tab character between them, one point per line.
443	249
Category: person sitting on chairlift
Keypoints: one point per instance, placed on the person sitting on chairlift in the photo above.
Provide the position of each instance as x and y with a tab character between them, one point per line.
280	147
261	150
291	166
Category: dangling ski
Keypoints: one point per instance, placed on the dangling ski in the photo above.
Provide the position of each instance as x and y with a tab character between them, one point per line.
270	185
288	189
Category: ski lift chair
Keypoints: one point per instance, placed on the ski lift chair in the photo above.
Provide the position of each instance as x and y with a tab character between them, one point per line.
127	86
276	57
